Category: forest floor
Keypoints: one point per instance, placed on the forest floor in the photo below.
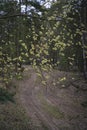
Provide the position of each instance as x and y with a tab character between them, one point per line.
59	105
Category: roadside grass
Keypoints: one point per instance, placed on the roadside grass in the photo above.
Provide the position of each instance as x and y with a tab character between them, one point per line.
50	109
13	117
12	114
5	95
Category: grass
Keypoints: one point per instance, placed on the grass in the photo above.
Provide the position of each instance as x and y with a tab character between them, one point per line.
13	117
5	95
50	109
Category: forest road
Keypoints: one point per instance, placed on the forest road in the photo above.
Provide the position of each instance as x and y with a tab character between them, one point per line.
31	103
61	111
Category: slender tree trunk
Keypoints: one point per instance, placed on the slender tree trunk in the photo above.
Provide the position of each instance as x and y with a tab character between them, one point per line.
84	56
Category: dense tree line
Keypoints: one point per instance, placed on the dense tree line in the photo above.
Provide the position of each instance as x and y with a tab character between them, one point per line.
32	32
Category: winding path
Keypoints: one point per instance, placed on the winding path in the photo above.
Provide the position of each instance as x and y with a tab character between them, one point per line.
33	107
40	118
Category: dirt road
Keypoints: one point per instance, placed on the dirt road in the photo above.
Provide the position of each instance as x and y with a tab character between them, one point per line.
50	111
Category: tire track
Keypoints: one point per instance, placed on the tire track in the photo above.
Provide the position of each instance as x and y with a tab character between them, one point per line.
33	107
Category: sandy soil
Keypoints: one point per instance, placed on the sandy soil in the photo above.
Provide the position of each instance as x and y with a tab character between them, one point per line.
60	108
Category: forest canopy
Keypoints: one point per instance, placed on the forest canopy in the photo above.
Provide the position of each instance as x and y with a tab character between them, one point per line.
42	33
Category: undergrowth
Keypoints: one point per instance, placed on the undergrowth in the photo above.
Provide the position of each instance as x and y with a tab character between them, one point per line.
13	117
5	95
